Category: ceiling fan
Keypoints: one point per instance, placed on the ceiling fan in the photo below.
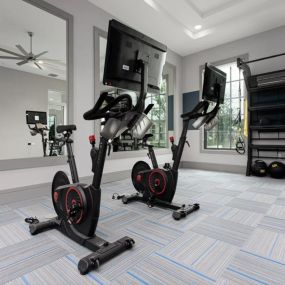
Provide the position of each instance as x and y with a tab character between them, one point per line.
25	57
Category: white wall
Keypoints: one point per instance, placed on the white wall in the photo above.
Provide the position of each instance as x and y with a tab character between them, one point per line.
19	92
260	45
86	16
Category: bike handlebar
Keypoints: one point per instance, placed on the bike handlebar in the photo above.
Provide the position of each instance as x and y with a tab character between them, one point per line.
97	112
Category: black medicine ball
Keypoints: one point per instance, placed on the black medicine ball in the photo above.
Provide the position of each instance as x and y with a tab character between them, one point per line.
259	168
276	170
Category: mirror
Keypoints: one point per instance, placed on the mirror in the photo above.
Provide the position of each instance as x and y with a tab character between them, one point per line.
159	113
33	81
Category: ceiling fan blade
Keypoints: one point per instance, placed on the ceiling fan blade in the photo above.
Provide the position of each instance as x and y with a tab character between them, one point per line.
22	50
10	57
40	54
37	65
22	62
11	52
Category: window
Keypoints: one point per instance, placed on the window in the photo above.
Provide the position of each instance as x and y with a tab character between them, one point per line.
224	135
158	115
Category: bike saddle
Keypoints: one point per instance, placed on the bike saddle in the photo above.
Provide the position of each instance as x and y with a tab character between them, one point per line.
65	128
147	136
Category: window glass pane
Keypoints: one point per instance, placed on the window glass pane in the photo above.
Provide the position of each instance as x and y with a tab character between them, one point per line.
237	105
103	45
236	89
224	140
227	69
228	91
225	123
235	72
230	125
212	139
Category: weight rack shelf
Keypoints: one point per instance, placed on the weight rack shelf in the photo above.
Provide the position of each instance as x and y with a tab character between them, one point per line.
267	107
268	157
268	128
265	92
268	147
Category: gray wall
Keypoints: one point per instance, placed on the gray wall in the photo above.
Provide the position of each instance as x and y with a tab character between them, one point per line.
260	45
21	91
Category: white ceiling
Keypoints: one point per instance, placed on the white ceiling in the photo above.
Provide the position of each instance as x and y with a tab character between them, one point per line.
172	22
16	19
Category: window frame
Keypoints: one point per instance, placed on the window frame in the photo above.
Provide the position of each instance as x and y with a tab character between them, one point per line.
202	130
166	94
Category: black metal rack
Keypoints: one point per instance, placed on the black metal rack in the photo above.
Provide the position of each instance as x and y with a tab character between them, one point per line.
266	113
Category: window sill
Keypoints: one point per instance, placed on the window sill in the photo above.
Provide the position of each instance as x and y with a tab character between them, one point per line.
220	151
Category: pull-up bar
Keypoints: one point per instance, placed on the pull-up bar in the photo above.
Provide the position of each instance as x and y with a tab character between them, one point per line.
263	58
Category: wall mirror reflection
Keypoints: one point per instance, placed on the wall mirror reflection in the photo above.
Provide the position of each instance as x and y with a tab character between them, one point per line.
158	103
33	81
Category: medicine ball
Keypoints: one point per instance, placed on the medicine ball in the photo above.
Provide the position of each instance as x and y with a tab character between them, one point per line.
259	168
276	170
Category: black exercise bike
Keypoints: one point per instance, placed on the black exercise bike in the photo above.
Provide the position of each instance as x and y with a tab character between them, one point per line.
78	205
157	186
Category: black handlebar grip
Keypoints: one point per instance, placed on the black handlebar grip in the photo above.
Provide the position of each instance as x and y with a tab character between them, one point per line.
97	112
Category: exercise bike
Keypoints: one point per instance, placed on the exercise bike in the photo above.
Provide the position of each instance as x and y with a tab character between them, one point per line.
78	205
156	186
132	59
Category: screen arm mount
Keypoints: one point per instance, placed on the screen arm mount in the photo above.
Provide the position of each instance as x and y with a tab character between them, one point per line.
143	61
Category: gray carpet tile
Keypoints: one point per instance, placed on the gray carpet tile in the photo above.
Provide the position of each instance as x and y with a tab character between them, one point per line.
268	191
268	244
243	204
236	238
14	233
26	256
154	232
273	224
5	208
251	267
208	208
239	216
8	217
225	191
258	197
227	231
280	201
208	256
214	198
184	224
126	261
159	269
64	271
276	211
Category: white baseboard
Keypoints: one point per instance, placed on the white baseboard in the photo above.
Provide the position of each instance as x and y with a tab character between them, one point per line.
240	169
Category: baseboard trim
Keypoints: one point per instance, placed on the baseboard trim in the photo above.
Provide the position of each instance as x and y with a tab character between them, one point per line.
240	169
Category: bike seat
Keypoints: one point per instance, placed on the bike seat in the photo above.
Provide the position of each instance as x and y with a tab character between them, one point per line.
65	128
147	136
